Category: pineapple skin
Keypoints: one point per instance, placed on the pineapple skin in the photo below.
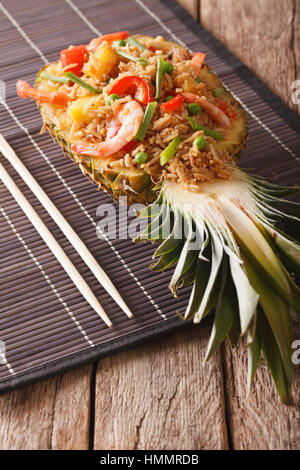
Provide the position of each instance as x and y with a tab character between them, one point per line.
136	187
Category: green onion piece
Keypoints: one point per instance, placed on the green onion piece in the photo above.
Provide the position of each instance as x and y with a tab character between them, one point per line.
194	108
133	42
112	97
218	91
200	141
141	157
139	60
159	74
197	127
80	82
168	67
119	43
53	78
168	98
150	110
169	151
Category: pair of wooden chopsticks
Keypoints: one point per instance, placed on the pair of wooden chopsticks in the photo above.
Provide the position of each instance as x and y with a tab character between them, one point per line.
65	227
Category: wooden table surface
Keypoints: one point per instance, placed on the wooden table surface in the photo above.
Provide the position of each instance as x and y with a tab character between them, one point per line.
160	395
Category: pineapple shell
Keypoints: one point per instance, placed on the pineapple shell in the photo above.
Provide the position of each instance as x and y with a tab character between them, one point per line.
247	235
136	184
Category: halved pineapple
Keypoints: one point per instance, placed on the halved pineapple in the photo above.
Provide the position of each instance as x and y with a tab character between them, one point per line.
136	184
246	234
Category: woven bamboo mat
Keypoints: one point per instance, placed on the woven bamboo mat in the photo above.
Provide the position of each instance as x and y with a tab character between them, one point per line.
45	325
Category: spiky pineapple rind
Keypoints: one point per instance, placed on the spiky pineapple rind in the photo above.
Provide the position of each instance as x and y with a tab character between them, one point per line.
136	187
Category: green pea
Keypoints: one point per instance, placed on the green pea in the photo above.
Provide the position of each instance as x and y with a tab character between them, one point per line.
194	108
198	80
168	98
168	67
218	91
141	157
113	97
200	141
120	43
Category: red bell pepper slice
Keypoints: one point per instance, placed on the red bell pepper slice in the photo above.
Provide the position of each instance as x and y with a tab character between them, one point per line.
75	55
226	108
24	90
135	86
172	105
110	38
130	146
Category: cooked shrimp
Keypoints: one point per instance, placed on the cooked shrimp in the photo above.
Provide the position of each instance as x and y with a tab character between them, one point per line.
24	90
113	127
215	113
198	59
110	38
130	116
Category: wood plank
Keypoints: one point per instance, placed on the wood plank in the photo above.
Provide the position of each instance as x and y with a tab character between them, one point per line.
52	414
264	34
161	396
71	420
296	40
191	6
259	421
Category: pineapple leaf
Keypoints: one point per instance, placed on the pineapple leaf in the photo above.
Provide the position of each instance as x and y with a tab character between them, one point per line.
216	258
188	278
255	245
173	240
226	309
291	258
167	260
274	360
288	249
295	296
277	314
202	273
272	189
234	331
247	297
283	222
254	352
283	206
155	228
186	258
153	209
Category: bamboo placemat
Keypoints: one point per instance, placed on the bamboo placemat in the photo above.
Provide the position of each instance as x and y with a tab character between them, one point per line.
46	327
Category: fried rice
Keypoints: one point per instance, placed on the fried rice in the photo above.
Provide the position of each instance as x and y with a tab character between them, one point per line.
190	165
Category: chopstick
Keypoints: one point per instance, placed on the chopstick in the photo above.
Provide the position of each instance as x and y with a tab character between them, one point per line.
65	227
50	241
